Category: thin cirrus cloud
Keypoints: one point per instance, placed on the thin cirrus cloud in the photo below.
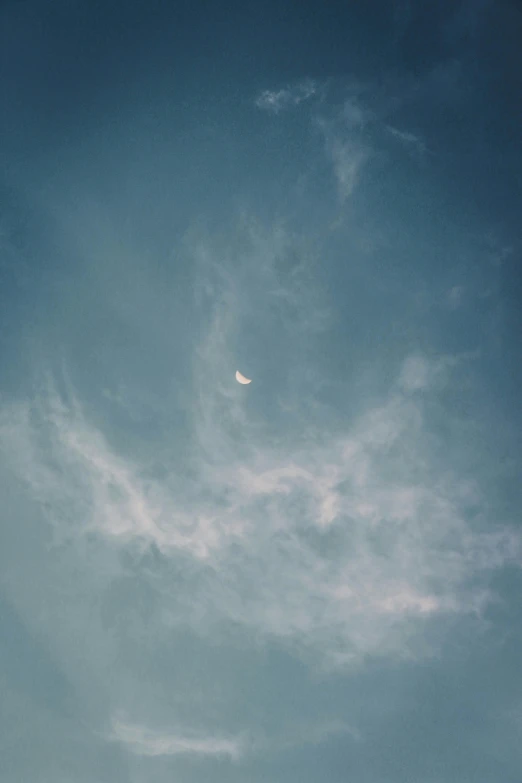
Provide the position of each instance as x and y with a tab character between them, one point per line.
339	547
409	140
143	741
276	101
454	297
338	542
344	130
345	144
268	580
348	157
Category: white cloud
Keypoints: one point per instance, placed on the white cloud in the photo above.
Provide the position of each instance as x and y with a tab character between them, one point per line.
286	97
420	373
415	373
335	548
348	158
354	115
340	543
409	140
347	150
144	741
86	487
454	296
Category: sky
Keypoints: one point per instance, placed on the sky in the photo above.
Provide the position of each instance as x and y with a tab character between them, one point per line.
316	576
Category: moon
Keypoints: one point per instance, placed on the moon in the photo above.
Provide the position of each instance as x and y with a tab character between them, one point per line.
241	378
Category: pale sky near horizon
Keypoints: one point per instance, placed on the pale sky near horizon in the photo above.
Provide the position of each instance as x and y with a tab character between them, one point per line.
317	576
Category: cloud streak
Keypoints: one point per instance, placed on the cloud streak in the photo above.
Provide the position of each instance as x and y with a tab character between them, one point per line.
348	158
276	101
339	549
346	144
338	542
409	140
143	741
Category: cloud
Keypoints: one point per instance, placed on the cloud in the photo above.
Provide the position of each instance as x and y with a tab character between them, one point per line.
348	158
454	296
143	741
338	540
338	548
276	101
415	373
86	487
418	372
216	549
345	145
346	130
354	115
409	140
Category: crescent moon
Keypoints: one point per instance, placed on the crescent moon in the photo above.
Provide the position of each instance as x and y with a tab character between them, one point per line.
241	378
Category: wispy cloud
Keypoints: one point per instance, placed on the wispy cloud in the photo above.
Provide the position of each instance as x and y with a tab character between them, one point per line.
419	373
348	158
345	144
144	741
338	548
339	542
277	100
354	114
85	486
346	130
261	581
409	140
454	297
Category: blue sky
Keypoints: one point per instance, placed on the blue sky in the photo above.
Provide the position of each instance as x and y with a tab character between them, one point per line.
315	577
